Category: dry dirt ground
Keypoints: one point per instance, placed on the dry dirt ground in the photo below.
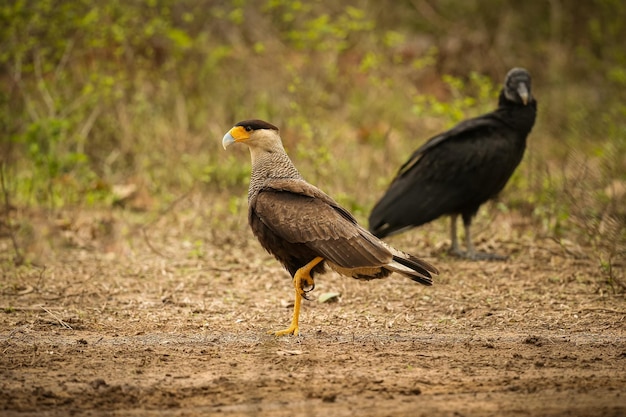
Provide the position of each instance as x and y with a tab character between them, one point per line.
174	321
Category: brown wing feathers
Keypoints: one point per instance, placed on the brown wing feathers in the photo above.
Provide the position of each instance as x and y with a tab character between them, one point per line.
302	219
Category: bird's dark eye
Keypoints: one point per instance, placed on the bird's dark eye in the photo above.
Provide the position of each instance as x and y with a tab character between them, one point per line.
248	129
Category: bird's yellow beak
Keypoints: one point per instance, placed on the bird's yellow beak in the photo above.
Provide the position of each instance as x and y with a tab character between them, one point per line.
236	134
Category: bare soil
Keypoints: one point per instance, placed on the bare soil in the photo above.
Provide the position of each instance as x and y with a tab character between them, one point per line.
172	319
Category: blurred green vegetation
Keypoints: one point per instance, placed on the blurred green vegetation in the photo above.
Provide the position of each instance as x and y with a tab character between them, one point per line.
95	94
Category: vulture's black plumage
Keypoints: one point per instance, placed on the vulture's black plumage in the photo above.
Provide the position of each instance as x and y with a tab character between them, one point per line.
304	228
458	170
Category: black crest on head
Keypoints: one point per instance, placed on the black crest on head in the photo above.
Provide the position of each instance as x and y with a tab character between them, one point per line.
256	124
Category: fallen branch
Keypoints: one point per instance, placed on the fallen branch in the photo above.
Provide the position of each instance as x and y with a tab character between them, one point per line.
61	322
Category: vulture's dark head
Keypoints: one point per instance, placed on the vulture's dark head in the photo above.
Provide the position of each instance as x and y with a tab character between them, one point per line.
517	86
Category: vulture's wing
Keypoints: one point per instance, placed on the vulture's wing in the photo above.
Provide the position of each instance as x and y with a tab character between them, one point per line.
470	128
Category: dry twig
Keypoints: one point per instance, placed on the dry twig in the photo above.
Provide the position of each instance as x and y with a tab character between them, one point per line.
61	322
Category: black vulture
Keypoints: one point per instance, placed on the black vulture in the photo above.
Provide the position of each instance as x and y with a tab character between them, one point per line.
304	228
458	170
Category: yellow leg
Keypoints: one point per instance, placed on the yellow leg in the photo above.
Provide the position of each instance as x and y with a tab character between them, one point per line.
303	275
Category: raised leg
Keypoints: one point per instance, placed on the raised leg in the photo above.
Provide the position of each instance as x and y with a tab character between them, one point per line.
301	279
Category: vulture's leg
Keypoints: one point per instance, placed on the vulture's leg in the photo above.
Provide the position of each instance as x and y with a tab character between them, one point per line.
471	250
301	280
454	248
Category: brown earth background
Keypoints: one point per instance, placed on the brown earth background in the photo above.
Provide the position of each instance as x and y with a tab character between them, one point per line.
171	319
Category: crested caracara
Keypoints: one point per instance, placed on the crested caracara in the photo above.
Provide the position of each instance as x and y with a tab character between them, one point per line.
305	229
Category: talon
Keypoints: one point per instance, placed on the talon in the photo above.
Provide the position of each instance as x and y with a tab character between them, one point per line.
305	292
308	283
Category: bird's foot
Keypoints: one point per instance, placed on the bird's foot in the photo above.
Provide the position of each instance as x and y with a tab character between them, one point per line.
485	256
455	251
478	256
293	330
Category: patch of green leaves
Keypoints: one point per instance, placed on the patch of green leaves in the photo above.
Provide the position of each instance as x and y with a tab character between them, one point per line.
471	97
